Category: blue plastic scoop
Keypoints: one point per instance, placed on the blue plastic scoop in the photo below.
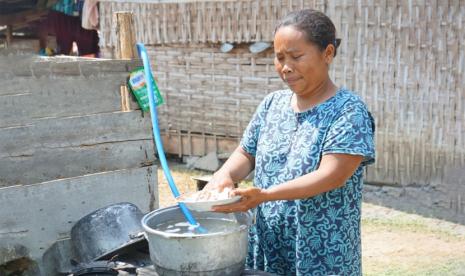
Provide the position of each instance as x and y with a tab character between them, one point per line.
156	134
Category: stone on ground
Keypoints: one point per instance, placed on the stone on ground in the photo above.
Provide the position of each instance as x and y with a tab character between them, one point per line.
209	162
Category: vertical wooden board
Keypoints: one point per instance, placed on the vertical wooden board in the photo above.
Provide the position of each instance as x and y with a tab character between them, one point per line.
126	46
227	145
37	215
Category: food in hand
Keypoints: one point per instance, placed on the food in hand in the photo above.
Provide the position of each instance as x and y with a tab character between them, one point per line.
206	195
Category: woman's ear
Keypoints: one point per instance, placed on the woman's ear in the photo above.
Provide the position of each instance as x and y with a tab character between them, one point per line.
329	53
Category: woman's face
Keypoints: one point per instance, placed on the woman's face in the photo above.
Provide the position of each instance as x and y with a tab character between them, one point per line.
300	63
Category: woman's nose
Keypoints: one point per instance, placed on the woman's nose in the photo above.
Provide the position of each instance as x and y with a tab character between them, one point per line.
286	69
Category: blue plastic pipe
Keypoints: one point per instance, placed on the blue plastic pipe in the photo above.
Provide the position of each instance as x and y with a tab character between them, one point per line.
156	134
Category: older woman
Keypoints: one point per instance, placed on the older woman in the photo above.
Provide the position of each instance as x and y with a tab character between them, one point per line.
308	145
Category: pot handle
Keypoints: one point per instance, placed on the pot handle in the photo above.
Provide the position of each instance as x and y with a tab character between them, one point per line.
137	235
253	215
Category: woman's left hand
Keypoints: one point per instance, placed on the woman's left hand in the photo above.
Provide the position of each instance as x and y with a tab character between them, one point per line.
251	197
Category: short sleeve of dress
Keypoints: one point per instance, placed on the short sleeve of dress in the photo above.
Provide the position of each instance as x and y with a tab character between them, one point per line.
252	132
352	133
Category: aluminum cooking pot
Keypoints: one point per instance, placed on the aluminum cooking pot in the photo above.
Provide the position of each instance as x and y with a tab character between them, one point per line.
106	231
211	254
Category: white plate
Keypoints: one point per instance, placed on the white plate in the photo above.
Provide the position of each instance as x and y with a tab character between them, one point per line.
206	206
226	47
258	47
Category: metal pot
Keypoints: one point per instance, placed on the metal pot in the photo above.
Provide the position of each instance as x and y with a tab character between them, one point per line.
107	230
212	254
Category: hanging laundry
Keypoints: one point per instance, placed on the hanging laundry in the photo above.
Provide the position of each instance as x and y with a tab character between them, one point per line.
66	6
89	19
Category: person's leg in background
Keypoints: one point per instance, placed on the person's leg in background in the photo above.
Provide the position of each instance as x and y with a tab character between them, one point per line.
87	42
64	33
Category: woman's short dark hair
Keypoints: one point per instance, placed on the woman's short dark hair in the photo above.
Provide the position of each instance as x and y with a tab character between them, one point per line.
318	28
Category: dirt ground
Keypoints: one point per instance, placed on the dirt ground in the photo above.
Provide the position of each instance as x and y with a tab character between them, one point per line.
393	242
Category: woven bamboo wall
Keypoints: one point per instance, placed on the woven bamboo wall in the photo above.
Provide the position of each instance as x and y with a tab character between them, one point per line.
206	21
405	58
211	92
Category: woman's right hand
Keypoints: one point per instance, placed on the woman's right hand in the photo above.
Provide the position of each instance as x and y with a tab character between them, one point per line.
219	182
236	168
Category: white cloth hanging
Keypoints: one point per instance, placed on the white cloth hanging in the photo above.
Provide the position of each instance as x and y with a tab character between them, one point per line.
89	19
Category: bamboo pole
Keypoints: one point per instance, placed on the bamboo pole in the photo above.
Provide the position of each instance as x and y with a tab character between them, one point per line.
9	36
125	48
126	44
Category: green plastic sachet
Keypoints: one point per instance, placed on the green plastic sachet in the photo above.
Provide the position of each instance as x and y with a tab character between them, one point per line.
138	87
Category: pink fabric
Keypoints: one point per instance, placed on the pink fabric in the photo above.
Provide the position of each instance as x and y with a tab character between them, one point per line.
90	15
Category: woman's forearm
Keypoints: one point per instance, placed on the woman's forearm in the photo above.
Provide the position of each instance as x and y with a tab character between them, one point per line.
305	186
333	172
238	165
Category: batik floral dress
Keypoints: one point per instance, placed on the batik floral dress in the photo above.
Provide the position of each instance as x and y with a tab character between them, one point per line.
318	235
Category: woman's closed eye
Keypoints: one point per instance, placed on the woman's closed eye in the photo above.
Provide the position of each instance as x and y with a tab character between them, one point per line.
279	57
293	57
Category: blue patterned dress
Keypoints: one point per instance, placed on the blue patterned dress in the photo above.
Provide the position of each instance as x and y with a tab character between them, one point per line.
318	235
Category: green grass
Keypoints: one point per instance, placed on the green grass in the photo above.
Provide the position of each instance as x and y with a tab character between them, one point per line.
452	267
404	222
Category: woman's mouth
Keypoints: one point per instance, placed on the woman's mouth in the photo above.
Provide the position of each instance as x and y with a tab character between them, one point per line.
291	81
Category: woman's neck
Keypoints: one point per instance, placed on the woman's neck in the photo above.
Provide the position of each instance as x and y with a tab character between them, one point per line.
321	93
